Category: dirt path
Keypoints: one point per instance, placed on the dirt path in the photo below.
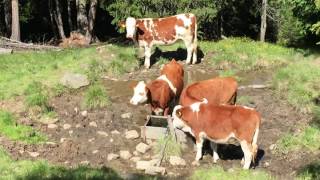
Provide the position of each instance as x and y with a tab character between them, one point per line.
87	138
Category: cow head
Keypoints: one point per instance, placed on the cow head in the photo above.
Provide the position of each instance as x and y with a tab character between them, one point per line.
140	93
131	24
177	117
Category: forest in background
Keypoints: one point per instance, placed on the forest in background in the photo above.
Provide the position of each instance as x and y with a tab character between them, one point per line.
289	22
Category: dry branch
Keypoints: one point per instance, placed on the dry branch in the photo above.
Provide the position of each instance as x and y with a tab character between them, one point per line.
255	86
17	45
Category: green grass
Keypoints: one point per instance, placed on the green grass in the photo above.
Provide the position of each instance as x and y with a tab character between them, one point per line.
96	97
310	172
173	148
217	173
244	100
37	95
299	83
20	69
307	139
14	131
41	170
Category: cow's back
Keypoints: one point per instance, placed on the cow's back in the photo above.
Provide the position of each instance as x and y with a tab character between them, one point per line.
175	73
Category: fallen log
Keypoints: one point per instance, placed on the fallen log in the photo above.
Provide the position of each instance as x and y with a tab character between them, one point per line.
12	44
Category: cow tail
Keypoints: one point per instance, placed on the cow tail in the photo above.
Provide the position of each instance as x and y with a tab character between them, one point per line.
254	141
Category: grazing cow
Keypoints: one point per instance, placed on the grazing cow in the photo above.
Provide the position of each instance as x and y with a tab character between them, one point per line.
161	91
147	32
219	90
223	124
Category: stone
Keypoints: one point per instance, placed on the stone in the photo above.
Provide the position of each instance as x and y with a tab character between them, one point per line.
78	125
135	158
76	110
125	155
133	134
63	140
74	80
136	153
84	113
50	143
91	139
52	126
34	154
142	165
177	161
149	141
153	170
154	162
272	147
85	162
266	164
111	140
115	132
95	151
70	132
142	147
126	115
102	133
93	124
66	126
112	156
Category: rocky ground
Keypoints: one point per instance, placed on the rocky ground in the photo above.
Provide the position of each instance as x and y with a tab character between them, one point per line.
111	136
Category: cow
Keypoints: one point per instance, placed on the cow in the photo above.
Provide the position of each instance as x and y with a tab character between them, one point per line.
160	92
219	90
222	124
147	32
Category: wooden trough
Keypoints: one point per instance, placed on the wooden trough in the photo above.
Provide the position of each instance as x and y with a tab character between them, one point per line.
158	126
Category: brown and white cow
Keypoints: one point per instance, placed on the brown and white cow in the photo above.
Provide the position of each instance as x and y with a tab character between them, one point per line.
222	124
147	32
161	91
219	90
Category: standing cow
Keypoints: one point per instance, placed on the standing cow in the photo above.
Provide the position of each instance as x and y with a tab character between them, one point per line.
147	32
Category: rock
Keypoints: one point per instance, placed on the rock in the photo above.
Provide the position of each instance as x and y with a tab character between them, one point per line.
70	132
177	161
135	159
66	126
156	156
133	134
149	141
154	162
153	170
125	155
33	154
272	147
102	133
95	151
111	140
147	156
142	165
136	153
91	139
266	164
76	110
52	126
63	140
126	115
78	125
85	162
73	80
93	124
142	147
84	113
50	143
115	132
112	156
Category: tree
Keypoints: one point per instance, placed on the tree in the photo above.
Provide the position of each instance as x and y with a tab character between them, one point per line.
7	16
263	26
82	20
15	27
91	20
58	19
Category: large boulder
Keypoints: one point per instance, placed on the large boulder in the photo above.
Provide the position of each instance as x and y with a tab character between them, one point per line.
73	80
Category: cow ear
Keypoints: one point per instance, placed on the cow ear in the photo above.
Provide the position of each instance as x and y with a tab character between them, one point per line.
122	24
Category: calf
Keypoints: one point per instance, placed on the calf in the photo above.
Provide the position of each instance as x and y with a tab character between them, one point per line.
223	124
160	92
147	32
219	90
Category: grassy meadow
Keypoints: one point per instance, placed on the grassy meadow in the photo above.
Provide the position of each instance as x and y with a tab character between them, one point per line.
35	77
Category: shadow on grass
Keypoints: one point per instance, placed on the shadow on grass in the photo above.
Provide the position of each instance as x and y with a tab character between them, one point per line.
311	171
82	172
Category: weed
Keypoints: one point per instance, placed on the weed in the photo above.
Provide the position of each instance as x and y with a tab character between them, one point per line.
172	148
95	71
58	89
309	172
236	174
96	97
244	100
10	129
36	95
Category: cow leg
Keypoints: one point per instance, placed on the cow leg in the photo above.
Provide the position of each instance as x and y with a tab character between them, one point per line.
147	53
214	147
247	151
166	111
199	143
189	51
194	55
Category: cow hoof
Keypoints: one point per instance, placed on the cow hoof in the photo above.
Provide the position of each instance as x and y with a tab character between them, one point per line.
196	163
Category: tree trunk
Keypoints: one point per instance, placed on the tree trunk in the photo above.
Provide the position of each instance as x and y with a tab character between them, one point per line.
7	16
51	12
15	28
70	15
91	19
58	19
263	26
82	20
